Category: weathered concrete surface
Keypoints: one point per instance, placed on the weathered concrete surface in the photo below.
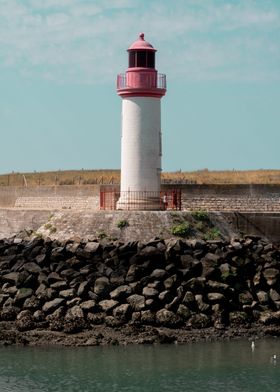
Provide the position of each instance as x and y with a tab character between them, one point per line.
140	225
12	221
262	224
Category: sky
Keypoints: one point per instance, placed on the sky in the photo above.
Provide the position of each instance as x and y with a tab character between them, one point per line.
59	60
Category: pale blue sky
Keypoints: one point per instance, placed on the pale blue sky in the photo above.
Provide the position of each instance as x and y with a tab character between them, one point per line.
58	65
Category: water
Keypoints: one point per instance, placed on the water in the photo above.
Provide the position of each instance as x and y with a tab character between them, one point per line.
211	367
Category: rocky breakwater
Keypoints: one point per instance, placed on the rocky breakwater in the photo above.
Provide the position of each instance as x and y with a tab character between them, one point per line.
164	290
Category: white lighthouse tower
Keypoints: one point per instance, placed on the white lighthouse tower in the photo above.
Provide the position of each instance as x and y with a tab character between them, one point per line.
141	89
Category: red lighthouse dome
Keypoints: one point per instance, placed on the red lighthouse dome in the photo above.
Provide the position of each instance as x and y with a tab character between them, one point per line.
141	77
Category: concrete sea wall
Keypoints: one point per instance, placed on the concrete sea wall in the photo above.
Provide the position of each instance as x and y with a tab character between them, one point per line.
223	197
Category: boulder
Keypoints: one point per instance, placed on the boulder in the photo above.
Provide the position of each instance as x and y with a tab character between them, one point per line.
199	321
102	286
25	321
88	306
74	320
214	298
263	297
245	298
32	303
9	313
67	294
271	275
137	302
149	292
237	318
148	317
51	306
183	312
121	292
201	305
107	305
158	274
170	282
122	312
22	294
167	318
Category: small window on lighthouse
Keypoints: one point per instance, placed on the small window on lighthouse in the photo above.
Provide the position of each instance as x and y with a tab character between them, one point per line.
151	60
141	58
131	61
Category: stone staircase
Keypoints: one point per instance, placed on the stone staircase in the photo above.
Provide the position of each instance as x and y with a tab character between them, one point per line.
57	203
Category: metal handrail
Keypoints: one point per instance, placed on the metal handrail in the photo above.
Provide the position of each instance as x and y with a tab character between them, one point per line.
160	82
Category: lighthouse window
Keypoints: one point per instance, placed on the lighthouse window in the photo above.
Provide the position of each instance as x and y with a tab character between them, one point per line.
150	60
141	59
132	60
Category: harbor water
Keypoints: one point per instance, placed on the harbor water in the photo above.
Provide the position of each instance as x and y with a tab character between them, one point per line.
224	366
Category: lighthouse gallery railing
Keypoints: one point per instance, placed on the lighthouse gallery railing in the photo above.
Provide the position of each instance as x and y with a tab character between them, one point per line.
149	80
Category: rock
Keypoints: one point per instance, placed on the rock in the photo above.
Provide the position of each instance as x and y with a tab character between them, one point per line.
210	266
271	276
167	318
73	302
217	287
189	298
133	273
25	321
202	306
22	294
238	318
53	277
121	292
165	296
9	313
74	320
83	289
33	303
158	274
12	277
214	298
137	302
196	285
263	297
199	321
245	298
108	305
184	312
122	312
60	285
56	319
102	286
268	318
274	295
67	294
149	292
51	306
38	316
32	268
112	322
148	317
95	318
88	306
117	277
170	282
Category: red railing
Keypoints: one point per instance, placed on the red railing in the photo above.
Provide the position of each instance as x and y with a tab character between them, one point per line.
150	80
141	200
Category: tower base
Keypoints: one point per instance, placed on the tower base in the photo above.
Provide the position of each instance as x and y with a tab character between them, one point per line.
129	202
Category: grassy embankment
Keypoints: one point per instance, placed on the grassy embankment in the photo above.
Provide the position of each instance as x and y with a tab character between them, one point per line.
80	177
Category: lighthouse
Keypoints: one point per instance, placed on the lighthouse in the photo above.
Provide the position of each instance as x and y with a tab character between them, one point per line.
141	89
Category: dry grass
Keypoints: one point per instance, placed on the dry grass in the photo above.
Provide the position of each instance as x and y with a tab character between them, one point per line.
226	177
80	177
